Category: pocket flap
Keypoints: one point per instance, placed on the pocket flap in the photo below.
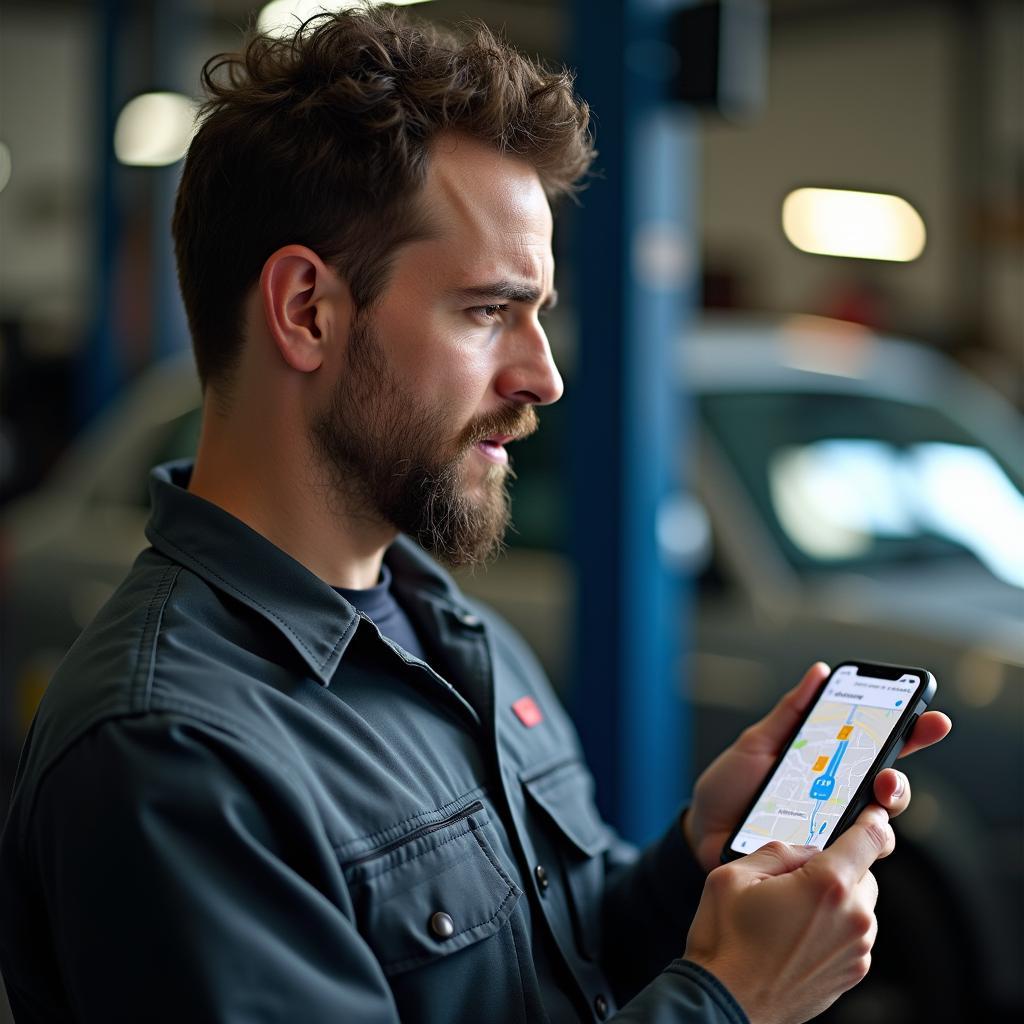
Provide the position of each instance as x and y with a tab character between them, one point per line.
432	896
565	794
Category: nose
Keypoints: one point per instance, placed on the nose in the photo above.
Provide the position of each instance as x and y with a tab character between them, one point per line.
529	375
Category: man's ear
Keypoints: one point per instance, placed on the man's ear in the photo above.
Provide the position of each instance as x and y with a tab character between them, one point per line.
305	304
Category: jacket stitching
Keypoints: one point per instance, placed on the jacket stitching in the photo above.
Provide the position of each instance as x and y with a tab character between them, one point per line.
483	660
103	717
512	892
494	863
519	971
412	961
233	728
395	830
415	857
480	924
199	714
141	687
268	611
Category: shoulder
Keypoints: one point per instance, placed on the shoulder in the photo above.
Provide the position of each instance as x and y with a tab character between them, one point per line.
106	672
166	647
135	791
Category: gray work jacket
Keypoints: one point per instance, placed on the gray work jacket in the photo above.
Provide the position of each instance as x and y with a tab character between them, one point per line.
239	802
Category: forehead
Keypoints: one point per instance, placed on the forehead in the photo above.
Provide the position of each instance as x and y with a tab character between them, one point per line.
490	213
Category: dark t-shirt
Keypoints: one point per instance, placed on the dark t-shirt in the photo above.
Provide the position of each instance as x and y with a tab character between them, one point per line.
378	604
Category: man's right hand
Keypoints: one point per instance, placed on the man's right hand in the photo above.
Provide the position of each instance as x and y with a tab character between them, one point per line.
788	929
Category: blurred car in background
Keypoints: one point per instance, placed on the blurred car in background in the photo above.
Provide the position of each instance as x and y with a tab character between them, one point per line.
867	501
855	496
862	497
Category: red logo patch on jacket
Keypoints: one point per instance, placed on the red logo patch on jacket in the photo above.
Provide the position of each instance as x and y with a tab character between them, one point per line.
527	712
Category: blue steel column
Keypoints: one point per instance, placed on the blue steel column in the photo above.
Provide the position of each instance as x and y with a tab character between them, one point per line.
635	248
100	371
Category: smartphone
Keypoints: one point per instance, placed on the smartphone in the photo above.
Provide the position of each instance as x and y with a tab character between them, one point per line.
855	727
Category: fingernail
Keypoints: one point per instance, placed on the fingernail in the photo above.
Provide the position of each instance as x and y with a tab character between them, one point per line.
901	784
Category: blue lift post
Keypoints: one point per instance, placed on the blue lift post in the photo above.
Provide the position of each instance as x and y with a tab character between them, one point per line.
102	370
637	269
99	375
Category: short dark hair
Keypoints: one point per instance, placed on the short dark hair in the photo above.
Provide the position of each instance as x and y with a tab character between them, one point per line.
321	138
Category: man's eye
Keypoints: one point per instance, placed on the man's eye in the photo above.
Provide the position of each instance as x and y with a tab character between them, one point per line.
491	312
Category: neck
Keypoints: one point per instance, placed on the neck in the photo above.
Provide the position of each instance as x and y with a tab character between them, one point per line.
258	477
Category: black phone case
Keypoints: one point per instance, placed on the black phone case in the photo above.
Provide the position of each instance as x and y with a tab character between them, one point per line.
885	759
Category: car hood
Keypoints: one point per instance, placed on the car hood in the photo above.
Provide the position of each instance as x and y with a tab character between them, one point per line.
954	600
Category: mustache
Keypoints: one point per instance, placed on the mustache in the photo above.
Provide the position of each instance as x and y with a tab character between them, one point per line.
514	421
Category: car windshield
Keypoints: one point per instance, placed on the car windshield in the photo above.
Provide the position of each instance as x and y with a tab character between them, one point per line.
855	480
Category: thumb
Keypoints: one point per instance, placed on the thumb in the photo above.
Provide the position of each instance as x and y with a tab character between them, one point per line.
775	858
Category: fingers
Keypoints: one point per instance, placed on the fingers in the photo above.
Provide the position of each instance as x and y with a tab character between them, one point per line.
931	727
775	727
776	859
892	791
850	857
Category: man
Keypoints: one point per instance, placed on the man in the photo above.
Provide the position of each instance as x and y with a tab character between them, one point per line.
291	773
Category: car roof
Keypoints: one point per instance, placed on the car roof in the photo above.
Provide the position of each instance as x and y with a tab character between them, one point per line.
728	354
808	353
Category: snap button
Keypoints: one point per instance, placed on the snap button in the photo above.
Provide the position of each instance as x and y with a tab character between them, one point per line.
442	925
601	1007
542	876
468	619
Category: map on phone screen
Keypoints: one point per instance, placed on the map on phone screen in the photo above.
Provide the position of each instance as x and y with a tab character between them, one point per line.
831	756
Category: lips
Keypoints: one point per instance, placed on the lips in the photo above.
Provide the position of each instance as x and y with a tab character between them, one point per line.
504	427
493	448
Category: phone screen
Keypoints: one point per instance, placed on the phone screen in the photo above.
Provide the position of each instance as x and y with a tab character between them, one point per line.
848	727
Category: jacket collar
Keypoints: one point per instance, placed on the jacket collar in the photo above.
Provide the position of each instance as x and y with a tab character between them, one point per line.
234	558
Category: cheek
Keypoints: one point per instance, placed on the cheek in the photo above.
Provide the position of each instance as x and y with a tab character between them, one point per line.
441	362
466	384
457	378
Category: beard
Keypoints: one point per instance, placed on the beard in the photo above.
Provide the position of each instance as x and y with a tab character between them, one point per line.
390	457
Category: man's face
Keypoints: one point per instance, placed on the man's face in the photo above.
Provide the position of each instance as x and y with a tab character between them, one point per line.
449	365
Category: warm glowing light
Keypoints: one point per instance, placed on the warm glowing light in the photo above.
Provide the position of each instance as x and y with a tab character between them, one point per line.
5	165
861	225
819	344
154	129
282	17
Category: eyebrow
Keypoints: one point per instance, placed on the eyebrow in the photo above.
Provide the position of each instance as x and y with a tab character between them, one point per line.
511	290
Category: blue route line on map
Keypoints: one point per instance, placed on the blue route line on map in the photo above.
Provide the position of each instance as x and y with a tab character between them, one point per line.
823	785
810	830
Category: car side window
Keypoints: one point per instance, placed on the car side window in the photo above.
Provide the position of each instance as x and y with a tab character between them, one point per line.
852	480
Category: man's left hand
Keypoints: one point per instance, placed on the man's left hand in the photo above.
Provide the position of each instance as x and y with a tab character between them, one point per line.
729	783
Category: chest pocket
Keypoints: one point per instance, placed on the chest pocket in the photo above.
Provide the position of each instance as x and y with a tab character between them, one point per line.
431	892
564	794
